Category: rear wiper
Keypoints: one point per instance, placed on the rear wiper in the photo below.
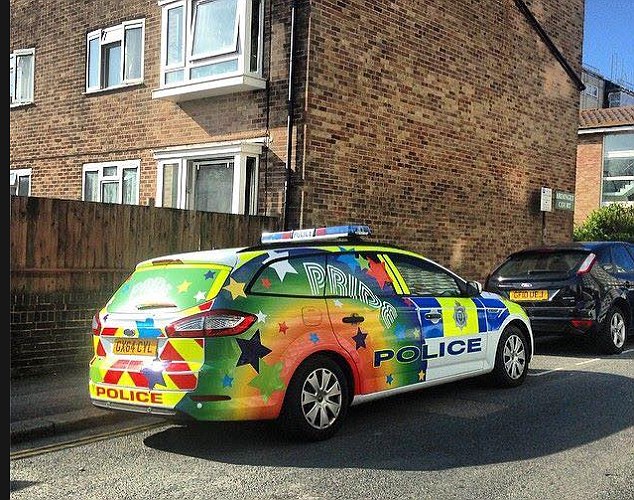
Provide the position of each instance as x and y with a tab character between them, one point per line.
156	305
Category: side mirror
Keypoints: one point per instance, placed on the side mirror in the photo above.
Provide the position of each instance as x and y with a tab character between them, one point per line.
474	288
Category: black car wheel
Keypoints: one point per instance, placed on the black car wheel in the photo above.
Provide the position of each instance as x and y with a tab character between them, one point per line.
511	358
613	331
316	400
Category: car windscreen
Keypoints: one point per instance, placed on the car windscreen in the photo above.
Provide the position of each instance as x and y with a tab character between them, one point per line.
551	264
170	287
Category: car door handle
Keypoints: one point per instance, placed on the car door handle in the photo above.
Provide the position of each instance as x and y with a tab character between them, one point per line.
433	316
354	319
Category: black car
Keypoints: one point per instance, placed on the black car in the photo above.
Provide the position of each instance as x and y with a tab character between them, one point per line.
581	288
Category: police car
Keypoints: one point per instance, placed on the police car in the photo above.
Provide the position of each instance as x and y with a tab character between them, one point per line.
297	329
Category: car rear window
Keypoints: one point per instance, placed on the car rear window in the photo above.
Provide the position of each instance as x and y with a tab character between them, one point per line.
172	287
546	262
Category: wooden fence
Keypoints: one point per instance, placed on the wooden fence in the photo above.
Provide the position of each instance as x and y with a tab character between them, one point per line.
68	257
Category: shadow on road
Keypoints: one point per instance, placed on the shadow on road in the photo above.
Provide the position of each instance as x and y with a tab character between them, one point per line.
456	425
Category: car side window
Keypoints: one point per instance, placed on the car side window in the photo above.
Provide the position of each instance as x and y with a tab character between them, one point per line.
300	276
622	260
423	278
352	274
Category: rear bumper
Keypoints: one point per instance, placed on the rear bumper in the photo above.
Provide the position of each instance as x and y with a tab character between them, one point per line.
560	326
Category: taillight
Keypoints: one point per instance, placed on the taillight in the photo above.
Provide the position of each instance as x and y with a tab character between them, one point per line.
215	323
582	324
96	325
587	264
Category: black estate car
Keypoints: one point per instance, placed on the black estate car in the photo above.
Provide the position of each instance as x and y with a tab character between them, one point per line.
581	288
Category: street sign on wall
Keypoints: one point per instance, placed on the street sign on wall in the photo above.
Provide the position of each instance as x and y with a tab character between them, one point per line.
564	201
546	204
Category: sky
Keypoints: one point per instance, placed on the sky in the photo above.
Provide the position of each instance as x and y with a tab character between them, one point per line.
608	41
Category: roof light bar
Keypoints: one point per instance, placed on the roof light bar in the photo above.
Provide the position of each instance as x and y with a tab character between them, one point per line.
318	233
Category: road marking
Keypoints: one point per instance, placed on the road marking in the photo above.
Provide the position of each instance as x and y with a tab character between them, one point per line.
546	372
587	361
81	441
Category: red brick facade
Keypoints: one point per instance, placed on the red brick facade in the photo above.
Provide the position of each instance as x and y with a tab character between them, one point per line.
434	122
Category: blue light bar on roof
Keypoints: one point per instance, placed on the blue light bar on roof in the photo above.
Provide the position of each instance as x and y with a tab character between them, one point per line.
318	233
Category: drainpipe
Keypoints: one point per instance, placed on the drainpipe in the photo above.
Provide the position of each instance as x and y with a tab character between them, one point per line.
289	130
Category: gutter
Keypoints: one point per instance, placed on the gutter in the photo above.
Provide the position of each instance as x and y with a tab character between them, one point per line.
550	44
290	119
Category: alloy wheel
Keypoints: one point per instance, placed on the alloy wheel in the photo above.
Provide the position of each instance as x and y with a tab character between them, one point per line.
321	398
617	329
514	356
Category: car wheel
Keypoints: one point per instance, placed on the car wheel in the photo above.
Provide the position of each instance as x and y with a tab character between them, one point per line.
613	332
316	400
511	358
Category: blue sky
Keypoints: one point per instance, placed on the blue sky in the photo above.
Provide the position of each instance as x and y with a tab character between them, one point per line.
608	42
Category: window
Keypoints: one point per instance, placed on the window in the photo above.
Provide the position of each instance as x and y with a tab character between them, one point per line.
112	182
357	275
301	276
20	182
115	56
618	169
210	47
221	177
591	90
424	278
21	77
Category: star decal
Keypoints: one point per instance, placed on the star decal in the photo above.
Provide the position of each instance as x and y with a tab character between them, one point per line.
349	260
261	317
421	375
184	286
269	380
210	275
389	379
147	329
274	255
363	263
227	381
251	351
314	338
266	283
283	327
235	289
200	296
400	331
282	268
377	271
153	377
337	303
359	339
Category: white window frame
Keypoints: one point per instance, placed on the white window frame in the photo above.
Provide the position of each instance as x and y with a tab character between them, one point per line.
105	37
184	157
117	178
16	78
622	154
14	178
243	79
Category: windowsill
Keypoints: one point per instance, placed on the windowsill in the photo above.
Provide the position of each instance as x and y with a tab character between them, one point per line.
114	88
201	90
21	105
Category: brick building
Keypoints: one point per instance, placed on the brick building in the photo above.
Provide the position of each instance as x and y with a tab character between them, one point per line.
434	122
605	159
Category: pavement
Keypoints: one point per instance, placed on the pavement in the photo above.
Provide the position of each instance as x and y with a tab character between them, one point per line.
55	403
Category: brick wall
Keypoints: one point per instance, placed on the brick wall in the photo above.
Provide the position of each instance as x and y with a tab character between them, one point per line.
589	174
438	122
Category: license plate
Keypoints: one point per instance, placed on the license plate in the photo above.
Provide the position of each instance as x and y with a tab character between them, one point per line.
519	295
135	347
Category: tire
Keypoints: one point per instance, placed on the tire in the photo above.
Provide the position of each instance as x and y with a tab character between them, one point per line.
612	332
316	401
511	358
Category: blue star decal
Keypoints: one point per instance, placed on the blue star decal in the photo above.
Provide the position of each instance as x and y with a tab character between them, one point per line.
359	339
147	330
400	331
227	381
349	260
314	338
153	377
209	275
251	351
389	379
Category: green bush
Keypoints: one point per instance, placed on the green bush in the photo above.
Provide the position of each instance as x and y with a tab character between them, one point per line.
612	222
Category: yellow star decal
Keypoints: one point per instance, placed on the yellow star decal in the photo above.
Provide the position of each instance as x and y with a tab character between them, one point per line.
421	375
235	289
184	286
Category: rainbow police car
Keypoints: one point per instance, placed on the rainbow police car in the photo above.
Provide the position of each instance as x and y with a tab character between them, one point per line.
295	330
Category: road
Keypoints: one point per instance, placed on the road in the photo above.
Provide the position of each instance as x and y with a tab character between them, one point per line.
567	433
